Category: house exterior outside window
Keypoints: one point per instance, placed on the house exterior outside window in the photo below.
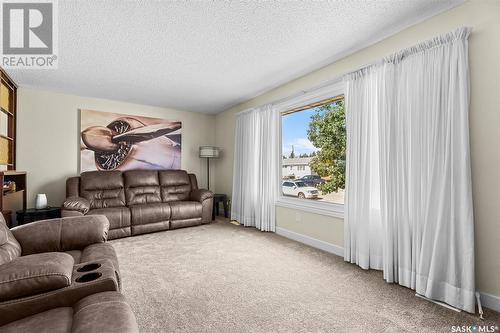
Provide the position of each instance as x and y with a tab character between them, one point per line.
294	168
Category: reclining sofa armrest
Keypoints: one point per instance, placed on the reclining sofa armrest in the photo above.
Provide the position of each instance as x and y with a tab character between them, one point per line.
200	195
206	198
35	274
76	204
92	314
63	234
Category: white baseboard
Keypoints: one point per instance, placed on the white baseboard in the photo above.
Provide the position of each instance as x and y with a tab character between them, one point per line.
319	244
490	301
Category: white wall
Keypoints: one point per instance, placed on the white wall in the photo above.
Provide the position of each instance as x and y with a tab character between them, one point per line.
484	17
48	137
325	228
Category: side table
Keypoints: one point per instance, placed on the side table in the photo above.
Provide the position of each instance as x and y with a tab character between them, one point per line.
220	198
32	214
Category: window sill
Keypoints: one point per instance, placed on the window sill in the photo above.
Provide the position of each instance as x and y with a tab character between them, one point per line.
322	208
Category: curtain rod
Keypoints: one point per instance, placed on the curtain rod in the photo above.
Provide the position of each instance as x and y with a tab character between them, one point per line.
337	79
324	84
341	76
315	104
298	93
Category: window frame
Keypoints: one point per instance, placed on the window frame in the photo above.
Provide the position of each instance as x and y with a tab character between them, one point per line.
332	90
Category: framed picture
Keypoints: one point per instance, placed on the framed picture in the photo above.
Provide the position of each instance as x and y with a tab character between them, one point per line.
112	141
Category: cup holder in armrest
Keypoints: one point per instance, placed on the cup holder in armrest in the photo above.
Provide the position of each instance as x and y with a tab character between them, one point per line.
89	277
89	267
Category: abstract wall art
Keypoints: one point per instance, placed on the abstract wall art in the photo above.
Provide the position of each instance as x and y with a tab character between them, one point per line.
112	141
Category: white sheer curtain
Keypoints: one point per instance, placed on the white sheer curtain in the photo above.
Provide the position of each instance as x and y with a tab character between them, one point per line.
363	230
409	203
256	172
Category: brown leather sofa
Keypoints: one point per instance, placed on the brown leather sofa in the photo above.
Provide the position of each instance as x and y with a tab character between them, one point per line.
103	312
139	201
53	264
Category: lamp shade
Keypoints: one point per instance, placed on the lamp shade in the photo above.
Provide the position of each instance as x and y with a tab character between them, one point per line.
209	152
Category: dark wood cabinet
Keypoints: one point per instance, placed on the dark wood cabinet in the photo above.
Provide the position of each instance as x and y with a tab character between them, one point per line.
32	214
11	199
8	110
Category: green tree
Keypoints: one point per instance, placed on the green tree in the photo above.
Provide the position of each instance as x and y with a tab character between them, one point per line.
327	133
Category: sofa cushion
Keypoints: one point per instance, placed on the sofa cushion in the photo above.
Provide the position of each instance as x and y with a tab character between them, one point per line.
34	274
93	314
119	220
101	312
193	181
141	187
118	217
119	233
9	246
150	213
175	185
182	210
54	320
73	186
103	189
176	224
76	254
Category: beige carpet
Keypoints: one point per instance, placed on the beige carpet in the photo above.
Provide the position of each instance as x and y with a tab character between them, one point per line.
226	278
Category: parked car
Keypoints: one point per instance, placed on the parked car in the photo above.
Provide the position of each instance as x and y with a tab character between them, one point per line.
299	189
312	180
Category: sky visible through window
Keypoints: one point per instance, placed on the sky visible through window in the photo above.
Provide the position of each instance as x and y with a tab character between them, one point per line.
294	132
323	185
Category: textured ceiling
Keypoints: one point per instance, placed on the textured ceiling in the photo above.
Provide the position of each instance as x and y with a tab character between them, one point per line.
209	56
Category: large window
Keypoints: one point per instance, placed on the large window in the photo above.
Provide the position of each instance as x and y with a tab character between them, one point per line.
313	151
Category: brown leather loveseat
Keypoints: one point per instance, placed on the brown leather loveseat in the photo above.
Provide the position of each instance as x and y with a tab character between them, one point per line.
51	272
139	201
